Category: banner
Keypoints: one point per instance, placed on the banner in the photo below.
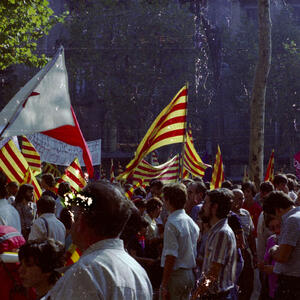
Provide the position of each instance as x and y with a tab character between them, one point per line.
297	164
59	153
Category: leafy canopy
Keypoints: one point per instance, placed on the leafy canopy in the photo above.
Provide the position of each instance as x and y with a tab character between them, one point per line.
22	24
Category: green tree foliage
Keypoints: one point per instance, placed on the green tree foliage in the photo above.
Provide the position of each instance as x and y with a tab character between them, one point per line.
22	24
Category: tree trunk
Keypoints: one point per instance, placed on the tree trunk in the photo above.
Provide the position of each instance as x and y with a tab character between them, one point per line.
256	151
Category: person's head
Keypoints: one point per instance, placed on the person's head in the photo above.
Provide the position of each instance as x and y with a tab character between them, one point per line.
265	188
238	199
277	203
175	195
103	213
63	188
217	203
273	223
3	180
135	224
187	181
280	183
48	181
196	192
140	191
46	204
25	193
66	217
154	207
227	184
156	187
38	263
249	190
12	188
140	203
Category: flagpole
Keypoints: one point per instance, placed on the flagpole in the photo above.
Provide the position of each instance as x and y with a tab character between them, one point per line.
185	131
46	69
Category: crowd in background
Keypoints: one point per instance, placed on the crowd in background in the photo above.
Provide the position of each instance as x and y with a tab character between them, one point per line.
174	241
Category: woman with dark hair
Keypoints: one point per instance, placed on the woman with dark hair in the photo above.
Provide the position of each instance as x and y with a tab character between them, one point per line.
22	203
39	261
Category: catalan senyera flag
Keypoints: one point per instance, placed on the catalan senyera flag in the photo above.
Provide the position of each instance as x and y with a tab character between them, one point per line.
218	172
112	172
129	193
72	255
16	168
168	128
270	168
31	155
192	163
167	172
51	168
74	175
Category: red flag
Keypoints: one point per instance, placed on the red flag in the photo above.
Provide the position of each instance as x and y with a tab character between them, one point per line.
72	135
270	169
43	105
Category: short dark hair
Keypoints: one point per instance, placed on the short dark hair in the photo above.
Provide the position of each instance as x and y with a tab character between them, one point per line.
175	194
266	187
249	185
3	180
109	210
47	254
277	199
227	184
46	204
139	202
63	188
279	179
49	179
200	187
223	197
157	183
66	218
22	191
140	191
153	203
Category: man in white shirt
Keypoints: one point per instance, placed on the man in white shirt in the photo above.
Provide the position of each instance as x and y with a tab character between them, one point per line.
105	270
9	216
180	246
47	225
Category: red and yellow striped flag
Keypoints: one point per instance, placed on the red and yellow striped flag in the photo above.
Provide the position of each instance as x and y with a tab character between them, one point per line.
167	172
51	168
72	255
32	156
129	193
270	168
74	175
218	172
192	163
168	128
16	168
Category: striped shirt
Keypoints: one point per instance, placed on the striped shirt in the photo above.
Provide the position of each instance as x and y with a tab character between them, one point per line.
221	248
247	223
290	235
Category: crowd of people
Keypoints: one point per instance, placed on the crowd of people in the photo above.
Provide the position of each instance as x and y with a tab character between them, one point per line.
173	241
